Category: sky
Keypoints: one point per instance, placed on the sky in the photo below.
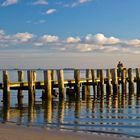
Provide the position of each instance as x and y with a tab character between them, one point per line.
69	33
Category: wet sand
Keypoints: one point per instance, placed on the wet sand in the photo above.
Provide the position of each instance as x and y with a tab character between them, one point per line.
14	132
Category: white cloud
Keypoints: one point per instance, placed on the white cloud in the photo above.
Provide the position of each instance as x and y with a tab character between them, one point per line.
46	39
40	2
76	3
2	33
49	38
134	42
97	43
85	47
16	39
23	37
41	21
101	39
50	11
84	1
9	2
73	40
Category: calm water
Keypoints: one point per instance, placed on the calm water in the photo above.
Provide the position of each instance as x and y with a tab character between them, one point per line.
113	116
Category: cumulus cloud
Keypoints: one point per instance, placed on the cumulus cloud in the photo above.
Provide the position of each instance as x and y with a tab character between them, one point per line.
73	40
40	2
101	39
23	37
50	11
98	43
9	2
134	42
16	39
45	39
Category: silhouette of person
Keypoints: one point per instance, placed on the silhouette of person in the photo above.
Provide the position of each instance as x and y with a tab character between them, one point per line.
120	67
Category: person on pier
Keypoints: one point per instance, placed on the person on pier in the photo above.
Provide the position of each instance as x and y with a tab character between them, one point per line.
120	67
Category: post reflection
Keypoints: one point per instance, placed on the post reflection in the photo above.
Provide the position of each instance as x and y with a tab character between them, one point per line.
77	109
48	111
6	113
61	111
89	105
109	114
31	113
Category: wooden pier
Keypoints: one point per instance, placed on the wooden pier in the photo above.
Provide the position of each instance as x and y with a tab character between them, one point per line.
104	83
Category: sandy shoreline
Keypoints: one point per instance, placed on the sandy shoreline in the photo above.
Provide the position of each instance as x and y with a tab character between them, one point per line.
14	132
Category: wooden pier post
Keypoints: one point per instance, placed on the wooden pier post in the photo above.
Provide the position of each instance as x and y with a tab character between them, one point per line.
108	85
47	85
19	94
88	76
98	85
53	78
131	81
77	83
93	83
60	75
138	81
34	81
53	74
84	94
114	82
123	82
31	97
6	89
102	83
70	93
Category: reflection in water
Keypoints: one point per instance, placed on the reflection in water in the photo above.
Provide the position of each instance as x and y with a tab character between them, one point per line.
6	113
61	110
31	113
111	115
47	111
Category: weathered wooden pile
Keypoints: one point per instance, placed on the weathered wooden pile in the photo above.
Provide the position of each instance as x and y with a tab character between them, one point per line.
105	83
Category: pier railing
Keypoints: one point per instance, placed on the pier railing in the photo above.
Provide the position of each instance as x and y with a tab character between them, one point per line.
105	83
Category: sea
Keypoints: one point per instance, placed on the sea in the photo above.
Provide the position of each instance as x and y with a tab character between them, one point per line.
119	116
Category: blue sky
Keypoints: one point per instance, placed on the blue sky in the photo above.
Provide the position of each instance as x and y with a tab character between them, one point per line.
69	33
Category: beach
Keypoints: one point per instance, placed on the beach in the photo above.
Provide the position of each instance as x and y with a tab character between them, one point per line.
15	132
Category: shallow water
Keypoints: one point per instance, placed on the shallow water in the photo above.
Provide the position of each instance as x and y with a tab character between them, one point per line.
114	116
